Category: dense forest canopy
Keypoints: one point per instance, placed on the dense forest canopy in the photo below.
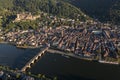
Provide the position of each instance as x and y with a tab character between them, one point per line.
103	10
6	4
54	7
115	13
9	9
98	9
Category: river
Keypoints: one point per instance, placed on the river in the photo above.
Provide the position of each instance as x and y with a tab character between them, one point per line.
15	57
57	65
74	69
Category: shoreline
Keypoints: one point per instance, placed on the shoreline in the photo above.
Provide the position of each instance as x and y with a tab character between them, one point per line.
4	42
108	62
68	55
25	47
20	47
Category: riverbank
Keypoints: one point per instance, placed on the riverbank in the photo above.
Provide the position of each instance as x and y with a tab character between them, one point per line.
25	47
2	42
54	64
17	46
108	62
67	55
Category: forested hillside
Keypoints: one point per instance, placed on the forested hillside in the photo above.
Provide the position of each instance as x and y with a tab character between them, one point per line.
6	4
53	7
103	10
9	9
49	6
98	9
115	13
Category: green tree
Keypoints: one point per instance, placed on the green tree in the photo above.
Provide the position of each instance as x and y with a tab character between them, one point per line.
55	78
39	75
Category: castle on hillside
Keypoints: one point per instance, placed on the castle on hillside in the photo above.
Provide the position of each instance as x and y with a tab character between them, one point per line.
25	16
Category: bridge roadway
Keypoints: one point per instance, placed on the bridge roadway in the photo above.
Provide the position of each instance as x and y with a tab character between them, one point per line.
36	57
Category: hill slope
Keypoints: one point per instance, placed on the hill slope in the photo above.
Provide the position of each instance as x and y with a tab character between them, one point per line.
99	9
115	13
54	7
6	4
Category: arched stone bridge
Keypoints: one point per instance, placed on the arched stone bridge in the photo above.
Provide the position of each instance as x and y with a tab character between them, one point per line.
32	61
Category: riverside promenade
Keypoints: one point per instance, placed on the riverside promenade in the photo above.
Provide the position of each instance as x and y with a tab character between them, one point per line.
79	57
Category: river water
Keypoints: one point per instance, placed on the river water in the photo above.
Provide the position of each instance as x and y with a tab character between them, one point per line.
57	65
74	69
15	57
